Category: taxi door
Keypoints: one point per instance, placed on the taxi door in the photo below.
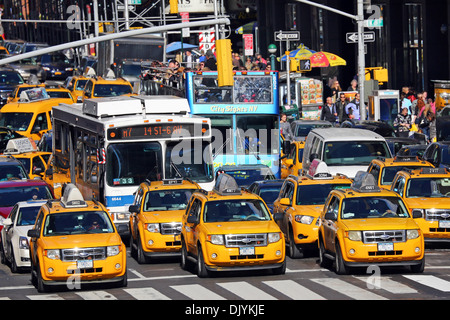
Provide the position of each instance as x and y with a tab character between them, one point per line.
191	225
41	124
34	241
330	222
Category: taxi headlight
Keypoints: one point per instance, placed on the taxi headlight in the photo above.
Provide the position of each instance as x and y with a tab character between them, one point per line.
112	251
53	254
412	234
354	235
216	239
304	219
273	237
153	227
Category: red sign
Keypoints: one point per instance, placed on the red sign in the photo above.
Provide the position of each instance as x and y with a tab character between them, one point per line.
248	44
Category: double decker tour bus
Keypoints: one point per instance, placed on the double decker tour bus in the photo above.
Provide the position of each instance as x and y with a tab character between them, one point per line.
244	117
109	146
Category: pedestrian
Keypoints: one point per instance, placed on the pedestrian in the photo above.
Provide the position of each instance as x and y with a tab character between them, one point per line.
427	122
405	102
237	62
340	107
248	63
402	123
329	112
335	89
210	60
285	128
353	85
189	59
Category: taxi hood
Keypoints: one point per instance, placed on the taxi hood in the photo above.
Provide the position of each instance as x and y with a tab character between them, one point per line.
241	227
163	216
380	224
82	241
427	203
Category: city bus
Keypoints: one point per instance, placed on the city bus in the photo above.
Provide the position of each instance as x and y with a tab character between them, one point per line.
244	117
109	146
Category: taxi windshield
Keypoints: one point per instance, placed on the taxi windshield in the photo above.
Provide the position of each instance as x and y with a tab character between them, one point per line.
388	173
428	187
373	207
11	195
111	90
80	84
235	210
247	177
18	121
85	222
175	199
316	194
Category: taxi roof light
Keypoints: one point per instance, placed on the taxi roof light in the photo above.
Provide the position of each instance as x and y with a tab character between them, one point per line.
20	145
72	197
433	171
318	170
226	185
365	182
406	158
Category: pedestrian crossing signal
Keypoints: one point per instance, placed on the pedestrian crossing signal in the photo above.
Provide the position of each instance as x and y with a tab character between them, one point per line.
300	65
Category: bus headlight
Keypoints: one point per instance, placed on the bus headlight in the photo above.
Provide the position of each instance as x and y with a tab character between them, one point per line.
412	234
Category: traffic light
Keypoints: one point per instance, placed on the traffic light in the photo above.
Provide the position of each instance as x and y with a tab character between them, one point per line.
173	6
224	62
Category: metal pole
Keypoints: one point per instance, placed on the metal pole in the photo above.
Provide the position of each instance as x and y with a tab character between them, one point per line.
111	36
361	59
126	15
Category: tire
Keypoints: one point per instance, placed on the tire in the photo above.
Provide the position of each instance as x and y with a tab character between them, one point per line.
141	258
185	264
341	268
324	262
133	251
418	268
280	270
41	287
202	272
124	282
2	254
294	251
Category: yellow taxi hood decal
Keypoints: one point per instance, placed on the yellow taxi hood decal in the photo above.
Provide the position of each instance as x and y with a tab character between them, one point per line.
241	227
163	216
82	241
427	203
380	224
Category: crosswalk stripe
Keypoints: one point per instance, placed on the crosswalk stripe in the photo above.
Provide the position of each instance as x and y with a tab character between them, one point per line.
96	295
45	297
197	292
388	284
431	281
348	289
246	291
293	290
146	294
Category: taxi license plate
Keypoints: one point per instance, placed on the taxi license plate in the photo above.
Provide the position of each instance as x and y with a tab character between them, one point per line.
444	224
386	246
245	251
85	264
58	73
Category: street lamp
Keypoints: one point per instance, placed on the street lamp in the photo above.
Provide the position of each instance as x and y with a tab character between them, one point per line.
272	50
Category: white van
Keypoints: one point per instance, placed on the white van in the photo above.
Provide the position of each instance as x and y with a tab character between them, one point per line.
344	150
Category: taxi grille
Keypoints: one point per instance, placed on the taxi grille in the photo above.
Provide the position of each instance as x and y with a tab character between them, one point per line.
171	228
384	236
83	253
437	215
242	240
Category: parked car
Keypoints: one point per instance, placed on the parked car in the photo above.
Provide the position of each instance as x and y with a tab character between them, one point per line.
14	242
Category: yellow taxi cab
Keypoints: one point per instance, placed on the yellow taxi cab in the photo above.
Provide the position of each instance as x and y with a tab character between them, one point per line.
299	204
291	164
230	229
75	242
427	194
75	84
26	151
384	169
57	176
367	225
3	51
31	115
108	86
155	219
15	95
63	95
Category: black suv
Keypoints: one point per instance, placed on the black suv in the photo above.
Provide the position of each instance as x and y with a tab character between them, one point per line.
11	169
9	79
437	153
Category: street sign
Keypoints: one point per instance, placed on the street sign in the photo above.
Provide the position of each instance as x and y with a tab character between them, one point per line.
352	37
287	35
248	44
373	23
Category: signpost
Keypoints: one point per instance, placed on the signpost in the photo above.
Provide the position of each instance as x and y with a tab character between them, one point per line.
248	44
352	37
287	35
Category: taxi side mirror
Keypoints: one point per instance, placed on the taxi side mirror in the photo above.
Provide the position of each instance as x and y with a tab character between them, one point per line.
416	214
285	202
330	216
133	208
33	233
278	216
191	219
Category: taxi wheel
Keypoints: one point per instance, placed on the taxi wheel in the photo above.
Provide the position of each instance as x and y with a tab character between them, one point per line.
141	258
294	251
341	268
280	270
41	287
324	262
184	261
418	268
202	272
